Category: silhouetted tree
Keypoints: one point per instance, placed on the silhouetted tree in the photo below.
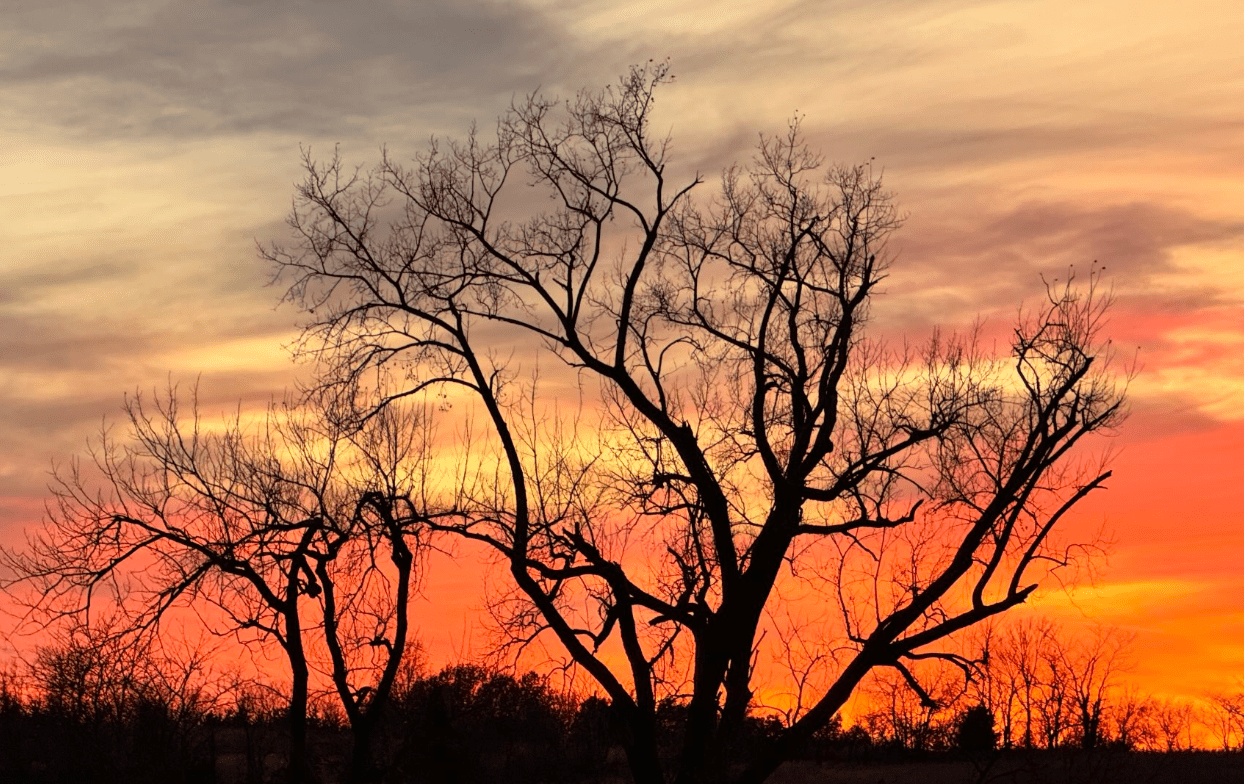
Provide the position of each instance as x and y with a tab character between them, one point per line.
367	568
749	426
1013	677
267	523
907	718
1174	724
975	731
1091	665
1131	717
1227	710
127	712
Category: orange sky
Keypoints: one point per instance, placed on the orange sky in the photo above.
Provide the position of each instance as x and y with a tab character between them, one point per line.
146	145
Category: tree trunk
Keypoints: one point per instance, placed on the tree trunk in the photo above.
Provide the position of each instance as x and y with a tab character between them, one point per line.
642	755
363	768
298	771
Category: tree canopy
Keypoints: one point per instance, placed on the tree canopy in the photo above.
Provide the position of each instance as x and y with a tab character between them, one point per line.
737	427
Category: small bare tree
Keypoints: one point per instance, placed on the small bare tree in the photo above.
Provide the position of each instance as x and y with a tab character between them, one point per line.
93	675
1091	665
287	527
1227	713
921	718
1131	719
750	431
1018	659
1174	724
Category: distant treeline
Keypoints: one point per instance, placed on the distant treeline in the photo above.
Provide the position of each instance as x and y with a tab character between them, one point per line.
87	715
463	724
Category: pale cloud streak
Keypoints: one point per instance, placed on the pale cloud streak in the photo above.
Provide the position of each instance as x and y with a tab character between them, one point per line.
199	70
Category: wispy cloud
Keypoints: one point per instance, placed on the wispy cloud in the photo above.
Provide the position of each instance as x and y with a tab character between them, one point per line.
152	69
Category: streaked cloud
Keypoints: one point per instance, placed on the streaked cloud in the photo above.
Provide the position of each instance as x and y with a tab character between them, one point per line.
1171	654
193	71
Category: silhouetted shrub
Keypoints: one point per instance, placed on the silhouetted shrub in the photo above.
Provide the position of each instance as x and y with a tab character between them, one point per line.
975	731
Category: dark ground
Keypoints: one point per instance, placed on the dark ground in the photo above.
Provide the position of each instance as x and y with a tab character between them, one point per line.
1039	767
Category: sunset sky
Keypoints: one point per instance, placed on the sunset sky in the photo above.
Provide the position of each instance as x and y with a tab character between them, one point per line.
146	146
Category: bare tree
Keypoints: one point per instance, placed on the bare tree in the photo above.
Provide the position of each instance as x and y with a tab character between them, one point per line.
751	432
367	566
1226	712
923	721
1091	666
1050	685
1024	649
283	527
1174	723
93	675
1131	717
123	707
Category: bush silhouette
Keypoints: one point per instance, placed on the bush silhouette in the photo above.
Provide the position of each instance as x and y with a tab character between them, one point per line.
976	732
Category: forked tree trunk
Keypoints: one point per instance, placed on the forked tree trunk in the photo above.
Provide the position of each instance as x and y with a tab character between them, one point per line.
298	768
